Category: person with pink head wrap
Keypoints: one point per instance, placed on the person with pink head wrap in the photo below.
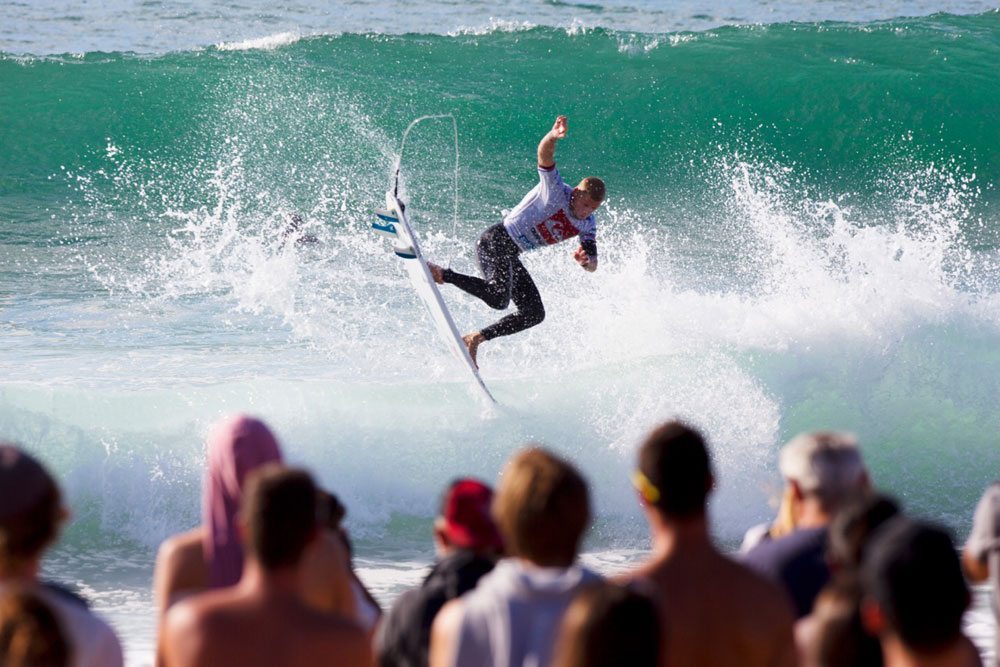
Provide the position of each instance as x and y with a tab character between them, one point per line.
211	556
237	446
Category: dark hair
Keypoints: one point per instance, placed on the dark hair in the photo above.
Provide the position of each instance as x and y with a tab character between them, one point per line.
839	639
25	534
853	527
675	460
912	571
542	507
331	510
30	634
608	625
279	507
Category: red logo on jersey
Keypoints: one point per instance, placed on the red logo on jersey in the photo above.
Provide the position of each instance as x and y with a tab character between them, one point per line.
563	228
544	232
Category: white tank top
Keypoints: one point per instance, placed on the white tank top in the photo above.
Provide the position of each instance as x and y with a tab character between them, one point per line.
512	616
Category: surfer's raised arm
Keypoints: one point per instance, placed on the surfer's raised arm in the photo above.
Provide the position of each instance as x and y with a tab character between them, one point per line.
547	146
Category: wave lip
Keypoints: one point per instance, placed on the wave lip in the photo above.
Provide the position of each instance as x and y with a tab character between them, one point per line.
266	43
494	25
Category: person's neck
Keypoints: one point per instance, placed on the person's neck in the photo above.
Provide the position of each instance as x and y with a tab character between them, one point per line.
533	565
25	571
282	582
812	515
672	537
897	654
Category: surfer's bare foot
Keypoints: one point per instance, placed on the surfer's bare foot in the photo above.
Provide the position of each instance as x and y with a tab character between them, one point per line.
437	273
472	341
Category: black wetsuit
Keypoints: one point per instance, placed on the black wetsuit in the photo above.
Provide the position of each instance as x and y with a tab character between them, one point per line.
504	280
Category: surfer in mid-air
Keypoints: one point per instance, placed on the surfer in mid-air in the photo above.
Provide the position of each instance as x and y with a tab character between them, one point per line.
551	212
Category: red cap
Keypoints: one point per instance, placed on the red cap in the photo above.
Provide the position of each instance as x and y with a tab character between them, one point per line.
467	519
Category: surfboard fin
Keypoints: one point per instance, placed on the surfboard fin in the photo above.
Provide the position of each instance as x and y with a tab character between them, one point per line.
386	226
386	223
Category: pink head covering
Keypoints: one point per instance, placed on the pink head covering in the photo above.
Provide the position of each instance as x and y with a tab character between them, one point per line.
236	446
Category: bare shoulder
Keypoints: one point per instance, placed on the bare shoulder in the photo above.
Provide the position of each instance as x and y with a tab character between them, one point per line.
646	572
331	634
195	628
450	617
180	633
769	600
180	566
444	631
181	552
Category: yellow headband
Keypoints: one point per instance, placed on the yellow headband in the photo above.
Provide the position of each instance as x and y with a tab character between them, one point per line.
648	490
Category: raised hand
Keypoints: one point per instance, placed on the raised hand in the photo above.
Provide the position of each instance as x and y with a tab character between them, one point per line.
560	128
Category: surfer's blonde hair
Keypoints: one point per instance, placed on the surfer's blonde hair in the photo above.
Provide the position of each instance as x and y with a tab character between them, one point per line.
594	187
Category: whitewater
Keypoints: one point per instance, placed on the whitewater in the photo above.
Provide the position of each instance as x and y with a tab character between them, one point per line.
802	232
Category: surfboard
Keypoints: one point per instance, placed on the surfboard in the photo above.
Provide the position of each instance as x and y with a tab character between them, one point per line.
393	223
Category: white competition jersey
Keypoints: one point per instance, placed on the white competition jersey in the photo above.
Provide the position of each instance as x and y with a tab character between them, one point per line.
543	216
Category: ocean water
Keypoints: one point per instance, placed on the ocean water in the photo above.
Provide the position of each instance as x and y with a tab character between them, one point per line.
802	232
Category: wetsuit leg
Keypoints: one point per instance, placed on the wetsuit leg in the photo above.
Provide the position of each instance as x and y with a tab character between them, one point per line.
530	310
495	251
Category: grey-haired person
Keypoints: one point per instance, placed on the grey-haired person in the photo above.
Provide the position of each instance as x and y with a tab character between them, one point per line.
823	472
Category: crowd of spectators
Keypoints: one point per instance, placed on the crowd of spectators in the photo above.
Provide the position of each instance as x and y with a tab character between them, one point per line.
841	577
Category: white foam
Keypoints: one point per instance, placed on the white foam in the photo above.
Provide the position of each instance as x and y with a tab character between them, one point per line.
266	43
494	25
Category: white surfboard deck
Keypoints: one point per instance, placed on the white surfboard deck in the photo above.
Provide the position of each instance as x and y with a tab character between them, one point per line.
393	223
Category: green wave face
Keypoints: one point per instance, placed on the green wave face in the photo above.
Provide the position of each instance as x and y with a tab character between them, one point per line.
842	102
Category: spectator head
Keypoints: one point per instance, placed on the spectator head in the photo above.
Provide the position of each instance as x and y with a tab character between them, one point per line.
237	446
608	625
913	585
279	514
851	530
675	471
331	510
542	508
838	637
31	509
826	466
30	634
465	521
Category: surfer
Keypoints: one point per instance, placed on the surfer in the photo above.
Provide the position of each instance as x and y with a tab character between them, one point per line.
292	231
551	212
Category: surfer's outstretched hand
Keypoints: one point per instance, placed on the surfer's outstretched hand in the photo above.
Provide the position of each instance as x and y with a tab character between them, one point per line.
560	128
437	273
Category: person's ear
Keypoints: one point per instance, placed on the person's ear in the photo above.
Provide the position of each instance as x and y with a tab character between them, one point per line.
797	493
316	534
440	534
866	481
872	617
242	528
